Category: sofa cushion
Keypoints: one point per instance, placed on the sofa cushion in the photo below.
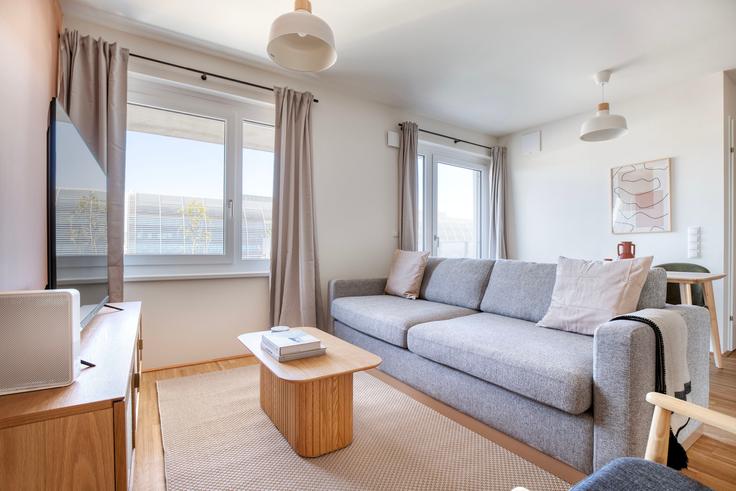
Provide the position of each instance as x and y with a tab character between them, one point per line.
549	366
523	289
589	293
460	282
389	318
654	292
519	289
406	273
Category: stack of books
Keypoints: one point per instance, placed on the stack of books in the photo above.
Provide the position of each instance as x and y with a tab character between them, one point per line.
291	345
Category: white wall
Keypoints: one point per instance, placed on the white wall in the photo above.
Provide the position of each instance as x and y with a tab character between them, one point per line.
560	197
355	199
28	48
190	320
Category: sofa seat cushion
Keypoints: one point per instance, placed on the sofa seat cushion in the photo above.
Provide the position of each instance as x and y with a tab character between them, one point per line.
549	366
388	317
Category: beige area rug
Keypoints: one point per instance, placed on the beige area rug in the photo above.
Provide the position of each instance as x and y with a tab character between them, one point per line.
216	436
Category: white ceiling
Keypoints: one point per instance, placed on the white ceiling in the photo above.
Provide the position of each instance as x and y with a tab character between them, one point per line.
496	66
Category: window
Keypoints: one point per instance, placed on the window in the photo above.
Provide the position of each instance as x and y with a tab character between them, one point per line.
452	209
174	183
257	190
458	211
194	158
420	203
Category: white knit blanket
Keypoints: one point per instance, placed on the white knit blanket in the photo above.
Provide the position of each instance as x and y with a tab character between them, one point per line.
674	342
674	337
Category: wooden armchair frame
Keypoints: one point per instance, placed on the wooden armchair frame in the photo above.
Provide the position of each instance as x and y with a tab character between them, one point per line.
659	432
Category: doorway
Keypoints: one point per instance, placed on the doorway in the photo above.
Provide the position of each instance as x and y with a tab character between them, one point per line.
728	334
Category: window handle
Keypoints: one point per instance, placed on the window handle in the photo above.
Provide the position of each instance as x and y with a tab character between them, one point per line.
230	208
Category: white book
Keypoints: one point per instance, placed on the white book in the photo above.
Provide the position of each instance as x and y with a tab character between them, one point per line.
293	356
291	341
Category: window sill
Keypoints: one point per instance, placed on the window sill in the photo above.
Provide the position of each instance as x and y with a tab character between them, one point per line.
193	276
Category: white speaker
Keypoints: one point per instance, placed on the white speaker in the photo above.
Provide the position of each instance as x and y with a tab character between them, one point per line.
39	339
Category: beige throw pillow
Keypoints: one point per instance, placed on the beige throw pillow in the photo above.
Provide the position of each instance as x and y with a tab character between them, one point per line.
589	293
406	273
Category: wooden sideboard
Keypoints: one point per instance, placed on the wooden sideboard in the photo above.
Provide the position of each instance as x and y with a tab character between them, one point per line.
81	436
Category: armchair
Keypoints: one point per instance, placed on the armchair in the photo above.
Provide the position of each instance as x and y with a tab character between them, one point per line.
649	474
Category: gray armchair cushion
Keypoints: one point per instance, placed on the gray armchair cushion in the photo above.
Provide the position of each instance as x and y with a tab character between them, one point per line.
460	282
388	317
549	366
520	289
638	474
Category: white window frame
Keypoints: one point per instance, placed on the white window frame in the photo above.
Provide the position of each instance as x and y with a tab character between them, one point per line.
233	110
435	154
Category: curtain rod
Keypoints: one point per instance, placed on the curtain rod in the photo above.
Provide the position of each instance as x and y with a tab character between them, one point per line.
456	140
204	74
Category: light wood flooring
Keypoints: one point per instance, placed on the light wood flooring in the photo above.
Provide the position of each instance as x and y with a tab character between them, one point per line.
712	457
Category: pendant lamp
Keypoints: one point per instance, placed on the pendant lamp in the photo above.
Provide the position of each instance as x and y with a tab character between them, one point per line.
302	41
603	126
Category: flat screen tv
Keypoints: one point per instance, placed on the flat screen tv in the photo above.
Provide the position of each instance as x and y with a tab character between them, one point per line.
77	215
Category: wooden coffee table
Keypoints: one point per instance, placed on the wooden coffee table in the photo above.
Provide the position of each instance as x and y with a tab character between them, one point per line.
311	400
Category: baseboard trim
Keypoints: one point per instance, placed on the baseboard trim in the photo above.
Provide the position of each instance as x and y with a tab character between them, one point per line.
693	437
193	363
550	464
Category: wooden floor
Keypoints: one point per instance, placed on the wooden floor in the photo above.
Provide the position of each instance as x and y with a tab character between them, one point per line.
148	471
712	457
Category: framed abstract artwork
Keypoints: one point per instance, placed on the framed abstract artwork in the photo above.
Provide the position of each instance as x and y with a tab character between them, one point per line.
640	198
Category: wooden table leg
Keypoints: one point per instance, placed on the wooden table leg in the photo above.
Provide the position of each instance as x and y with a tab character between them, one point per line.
315	417
686	294
715	336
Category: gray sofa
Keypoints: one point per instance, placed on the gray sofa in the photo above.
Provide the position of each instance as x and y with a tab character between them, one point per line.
471	341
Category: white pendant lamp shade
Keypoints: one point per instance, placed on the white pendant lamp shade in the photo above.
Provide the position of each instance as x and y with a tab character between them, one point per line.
604	125
302	41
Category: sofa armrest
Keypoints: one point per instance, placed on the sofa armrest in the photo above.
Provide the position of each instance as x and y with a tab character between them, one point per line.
351	288
623	374
355	288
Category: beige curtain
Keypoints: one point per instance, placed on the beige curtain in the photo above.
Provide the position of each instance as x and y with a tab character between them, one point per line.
408	186
497	188
93	85
295	296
